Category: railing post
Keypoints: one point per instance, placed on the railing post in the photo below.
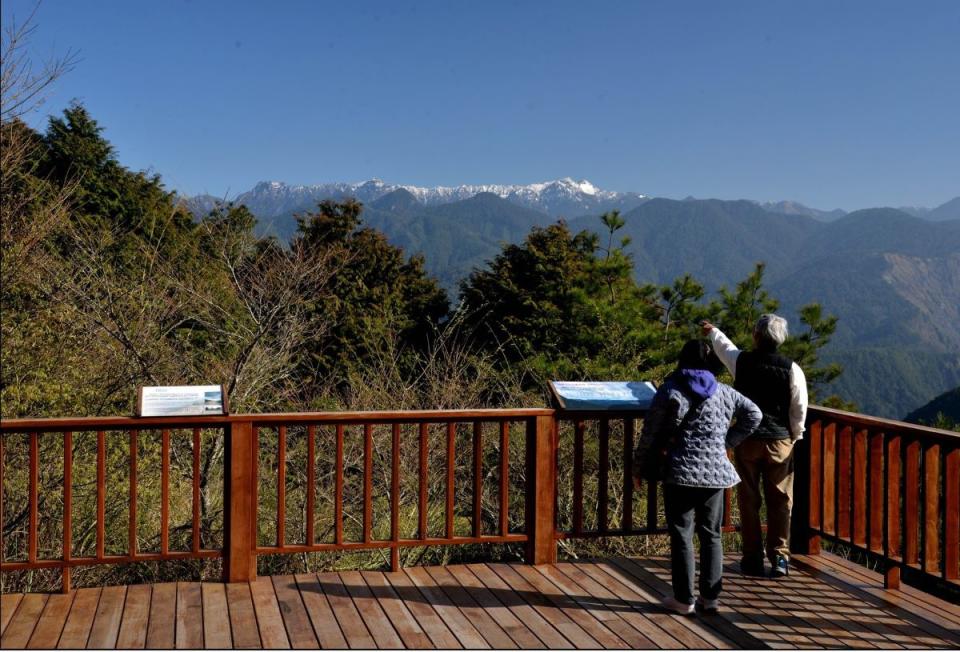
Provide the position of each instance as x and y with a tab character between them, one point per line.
240	560
541	491
806	495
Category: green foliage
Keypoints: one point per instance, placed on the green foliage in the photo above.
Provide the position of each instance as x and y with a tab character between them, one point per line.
379	299
941	412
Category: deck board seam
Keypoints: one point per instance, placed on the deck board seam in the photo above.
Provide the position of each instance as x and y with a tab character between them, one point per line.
869	597
579	601
632	568
523	602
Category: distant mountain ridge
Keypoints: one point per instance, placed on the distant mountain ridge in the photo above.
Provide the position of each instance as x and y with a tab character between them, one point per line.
561	197
565	197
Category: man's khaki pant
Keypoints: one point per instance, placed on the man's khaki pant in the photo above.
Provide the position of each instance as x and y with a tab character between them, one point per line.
769	461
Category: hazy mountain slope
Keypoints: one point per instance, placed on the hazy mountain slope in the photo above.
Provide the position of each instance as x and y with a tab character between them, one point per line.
716	241
894	282
454	238
889	382
947	211
796	208
947	404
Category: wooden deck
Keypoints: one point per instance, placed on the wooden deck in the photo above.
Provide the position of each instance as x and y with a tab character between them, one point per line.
610	603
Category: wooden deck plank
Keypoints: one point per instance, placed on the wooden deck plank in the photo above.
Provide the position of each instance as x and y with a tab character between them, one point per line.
136	615
762	609
546	632
189	619
806	616
814	610
662	628
909	625
162	626
606	638
24	621
933	623
825	602
523	636
745	616
680	627
318	609
243	618
76	630
468	635
857	622
441	635
761	603
295	618
910	595
373	615
273	635
628	605
352	625
609	617
491	631
409	630
106	622
216	616
47	632
8	606
570	628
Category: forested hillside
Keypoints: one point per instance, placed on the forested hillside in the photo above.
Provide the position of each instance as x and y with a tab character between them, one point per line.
893	279
943	411
121	288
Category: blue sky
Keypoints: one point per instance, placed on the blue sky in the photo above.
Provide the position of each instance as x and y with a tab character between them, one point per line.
836	104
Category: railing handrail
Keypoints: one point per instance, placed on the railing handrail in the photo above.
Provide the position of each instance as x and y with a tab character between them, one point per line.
270	418
867	421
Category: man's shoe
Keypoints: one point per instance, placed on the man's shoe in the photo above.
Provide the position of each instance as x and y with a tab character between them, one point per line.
752	567
781	567
708	607
674	605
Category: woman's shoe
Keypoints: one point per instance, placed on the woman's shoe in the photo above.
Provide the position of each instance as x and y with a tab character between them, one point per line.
674	605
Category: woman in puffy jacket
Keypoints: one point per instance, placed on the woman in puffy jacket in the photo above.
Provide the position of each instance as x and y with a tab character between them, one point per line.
690	417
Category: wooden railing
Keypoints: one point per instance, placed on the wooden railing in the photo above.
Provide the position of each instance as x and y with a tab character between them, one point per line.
886	487
614	436
246	439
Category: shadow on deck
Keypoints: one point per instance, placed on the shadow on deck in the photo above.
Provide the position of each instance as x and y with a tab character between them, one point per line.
610	603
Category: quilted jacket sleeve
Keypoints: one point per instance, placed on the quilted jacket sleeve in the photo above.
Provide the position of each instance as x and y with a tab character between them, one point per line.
663	415
747	417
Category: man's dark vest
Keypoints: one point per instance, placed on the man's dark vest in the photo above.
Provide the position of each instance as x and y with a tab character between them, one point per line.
764	378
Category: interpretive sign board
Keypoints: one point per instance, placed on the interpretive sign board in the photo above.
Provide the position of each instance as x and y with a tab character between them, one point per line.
602	395
182	401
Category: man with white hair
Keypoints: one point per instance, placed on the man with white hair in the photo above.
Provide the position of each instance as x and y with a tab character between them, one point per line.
777	385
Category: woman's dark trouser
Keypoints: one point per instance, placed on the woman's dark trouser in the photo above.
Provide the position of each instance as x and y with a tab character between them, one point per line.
690	508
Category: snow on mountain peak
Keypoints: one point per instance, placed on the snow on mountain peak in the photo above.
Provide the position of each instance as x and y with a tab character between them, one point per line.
560	197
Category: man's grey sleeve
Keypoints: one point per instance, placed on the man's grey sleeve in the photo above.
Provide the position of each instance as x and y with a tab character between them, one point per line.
798	402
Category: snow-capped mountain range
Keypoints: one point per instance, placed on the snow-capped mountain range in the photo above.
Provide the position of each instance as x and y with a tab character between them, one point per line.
562	197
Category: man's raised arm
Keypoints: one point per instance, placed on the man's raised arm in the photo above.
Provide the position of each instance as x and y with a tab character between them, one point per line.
726	350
